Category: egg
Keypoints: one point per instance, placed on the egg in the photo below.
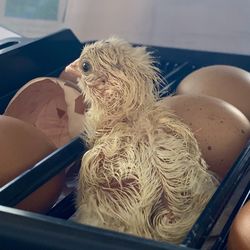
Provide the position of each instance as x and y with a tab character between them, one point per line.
239	235
225	82
22	146
220	129
52	105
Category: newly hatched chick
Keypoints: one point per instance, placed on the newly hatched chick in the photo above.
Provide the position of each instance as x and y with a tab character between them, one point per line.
143	173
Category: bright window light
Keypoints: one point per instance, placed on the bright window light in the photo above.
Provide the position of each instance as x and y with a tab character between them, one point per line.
30	9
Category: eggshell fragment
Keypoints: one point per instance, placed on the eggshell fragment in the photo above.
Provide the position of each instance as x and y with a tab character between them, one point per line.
225	82
21	147
54	106
239	236
221	130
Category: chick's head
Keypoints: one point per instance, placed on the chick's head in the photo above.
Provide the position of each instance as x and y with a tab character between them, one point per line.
117	77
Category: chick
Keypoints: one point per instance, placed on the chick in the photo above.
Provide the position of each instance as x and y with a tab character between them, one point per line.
143	173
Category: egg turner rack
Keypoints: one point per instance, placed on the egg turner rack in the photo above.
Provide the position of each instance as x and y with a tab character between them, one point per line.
48	56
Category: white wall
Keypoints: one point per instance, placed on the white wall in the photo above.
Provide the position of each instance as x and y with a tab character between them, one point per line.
219	25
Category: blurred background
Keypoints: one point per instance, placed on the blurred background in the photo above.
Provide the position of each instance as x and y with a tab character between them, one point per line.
216	25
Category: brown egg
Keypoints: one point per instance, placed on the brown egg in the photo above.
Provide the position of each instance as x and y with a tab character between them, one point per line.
71	73
52	105
221	130
22	146
228	83
239	236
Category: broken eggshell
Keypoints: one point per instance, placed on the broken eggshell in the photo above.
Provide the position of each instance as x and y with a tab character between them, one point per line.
21	147
53	105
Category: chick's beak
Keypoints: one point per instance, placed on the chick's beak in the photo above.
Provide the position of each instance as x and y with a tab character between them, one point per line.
73	69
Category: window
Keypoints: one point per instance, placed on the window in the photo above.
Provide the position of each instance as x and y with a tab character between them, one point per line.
33	18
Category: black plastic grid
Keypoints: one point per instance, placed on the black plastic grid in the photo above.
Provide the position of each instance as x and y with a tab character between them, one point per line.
23	230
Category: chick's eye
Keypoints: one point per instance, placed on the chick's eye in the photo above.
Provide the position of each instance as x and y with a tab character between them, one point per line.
86	67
